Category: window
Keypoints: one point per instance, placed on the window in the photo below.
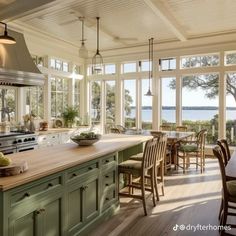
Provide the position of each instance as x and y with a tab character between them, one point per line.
59	65
167	64
200	61
200	104
168	99
110	102
230	58
231	108
110	69
76	93
146	105
129	67
144	66
96	102
130	103
7	104
59	96
34	101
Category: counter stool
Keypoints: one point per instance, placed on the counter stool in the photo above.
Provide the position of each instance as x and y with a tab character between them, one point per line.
140	169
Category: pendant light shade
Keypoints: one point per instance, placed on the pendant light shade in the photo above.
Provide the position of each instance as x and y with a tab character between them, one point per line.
97	60
83	52
5	38
150	52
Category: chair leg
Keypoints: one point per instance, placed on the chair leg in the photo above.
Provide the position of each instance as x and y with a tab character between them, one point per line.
155	185
221	208
130	183
162	178
143	194
184	163
152	187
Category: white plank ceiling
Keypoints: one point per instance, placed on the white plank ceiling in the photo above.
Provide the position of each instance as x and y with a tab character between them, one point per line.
126	22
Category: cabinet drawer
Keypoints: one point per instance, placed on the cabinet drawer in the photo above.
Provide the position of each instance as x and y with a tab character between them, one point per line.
109	159
109	178
29	193
78	172
109	198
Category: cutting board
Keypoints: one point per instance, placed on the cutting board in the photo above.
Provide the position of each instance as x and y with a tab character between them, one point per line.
14	168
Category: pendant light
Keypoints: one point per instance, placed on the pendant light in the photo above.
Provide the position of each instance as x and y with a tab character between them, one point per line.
5	38
150	75
83	52
97	61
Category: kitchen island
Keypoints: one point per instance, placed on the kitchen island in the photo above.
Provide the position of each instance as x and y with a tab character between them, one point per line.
67	189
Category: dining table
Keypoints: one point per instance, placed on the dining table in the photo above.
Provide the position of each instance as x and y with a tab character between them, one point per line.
172	138
230	169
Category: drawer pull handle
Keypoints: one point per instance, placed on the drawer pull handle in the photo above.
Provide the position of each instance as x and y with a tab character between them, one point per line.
42	210
38	212
26	195
107	198
107	184
74	174
90	168
50	185
107	176
107	161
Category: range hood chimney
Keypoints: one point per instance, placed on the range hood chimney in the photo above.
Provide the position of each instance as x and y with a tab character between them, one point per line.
16	65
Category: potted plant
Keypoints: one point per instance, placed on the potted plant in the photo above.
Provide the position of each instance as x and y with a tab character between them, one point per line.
69	115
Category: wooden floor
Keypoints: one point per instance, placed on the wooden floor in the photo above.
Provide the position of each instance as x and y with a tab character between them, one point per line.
192	198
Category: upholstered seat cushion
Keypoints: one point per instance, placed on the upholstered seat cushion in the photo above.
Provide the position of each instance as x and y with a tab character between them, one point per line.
188	148
231	186
130	165
137	157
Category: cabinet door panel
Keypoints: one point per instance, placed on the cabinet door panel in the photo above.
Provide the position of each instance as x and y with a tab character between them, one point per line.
24	226
52	218
91	199
75	208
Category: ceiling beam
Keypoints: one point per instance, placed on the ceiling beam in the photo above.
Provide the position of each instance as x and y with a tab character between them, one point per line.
162	12
20	8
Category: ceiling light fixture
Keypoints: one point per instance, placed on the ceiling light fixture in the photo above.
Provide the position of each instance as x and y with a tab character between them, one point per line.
149	93
97	60
83	52
5	38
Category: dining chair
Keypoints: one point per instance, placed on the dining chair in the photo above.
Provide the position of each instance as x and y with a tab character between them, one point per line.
159	162
187	149
222	147
228	192
181	128
140	169
225	144
165	127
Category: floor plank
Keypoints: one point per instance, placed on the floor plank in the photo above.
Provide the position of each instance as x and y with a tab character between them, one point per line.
190	199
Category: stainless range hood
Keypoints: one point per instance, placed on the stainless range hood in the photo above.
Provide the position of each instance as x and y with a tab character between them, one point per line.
16	65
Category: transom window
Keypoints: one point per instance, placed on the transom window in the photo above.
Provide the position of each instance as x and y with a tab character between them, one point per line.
129	67
59	65
167	64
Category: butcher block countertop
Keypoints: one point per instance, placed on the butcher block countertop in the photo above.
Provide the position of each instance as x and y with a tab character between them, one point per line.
44	162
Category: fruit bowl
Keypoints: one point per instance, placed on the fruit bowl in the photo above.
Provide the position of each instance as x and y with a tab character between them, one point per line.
86	138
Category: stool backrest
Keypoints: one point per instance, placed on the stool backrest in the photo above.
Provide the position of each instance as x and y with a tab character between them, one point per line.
201	139
165	127
223	150
181	128
150	153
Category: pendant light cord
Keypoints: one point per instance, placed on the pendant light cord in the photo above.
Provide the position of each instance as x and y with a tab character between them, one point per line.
98	35
149	40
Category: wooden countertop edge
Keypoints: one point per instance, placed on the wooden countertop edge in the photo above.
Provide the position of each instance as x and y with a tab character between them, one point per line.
14	181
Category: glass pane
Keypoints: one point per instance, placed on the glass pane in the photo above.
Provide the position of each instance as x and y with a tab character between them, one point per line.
110	102
201	113
65	66
59	104
59	84
53	104
231	108
168	98
129	67
130	103
185	62
110	69
58	65
52	63
53	84
145	65
65	84
96	102
146	105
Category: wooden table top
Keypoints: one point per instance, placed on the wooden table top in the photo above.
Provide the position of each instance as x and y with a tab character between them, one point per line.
47	161
230	168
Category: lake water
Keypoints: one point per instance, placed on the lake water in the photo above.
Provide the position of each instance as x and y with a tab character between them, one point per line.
169	115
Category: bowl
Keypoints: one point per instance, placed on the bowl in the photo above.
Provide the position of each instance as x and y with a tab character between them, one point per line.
82	141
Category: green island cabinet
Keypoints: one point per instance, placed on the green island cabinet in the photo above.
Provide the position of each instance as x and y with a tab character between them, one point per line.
71	202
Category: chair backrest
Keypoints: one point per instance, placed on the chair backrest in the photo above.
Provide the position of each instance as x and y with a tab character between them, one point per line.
150	153
121	128
182	128
226	146
223	150
115	130
161	148
157	133
165	127
218	154
201	139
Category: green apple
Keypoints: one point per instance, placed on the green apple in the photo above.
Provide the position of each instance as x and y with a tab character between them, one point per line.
5	161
